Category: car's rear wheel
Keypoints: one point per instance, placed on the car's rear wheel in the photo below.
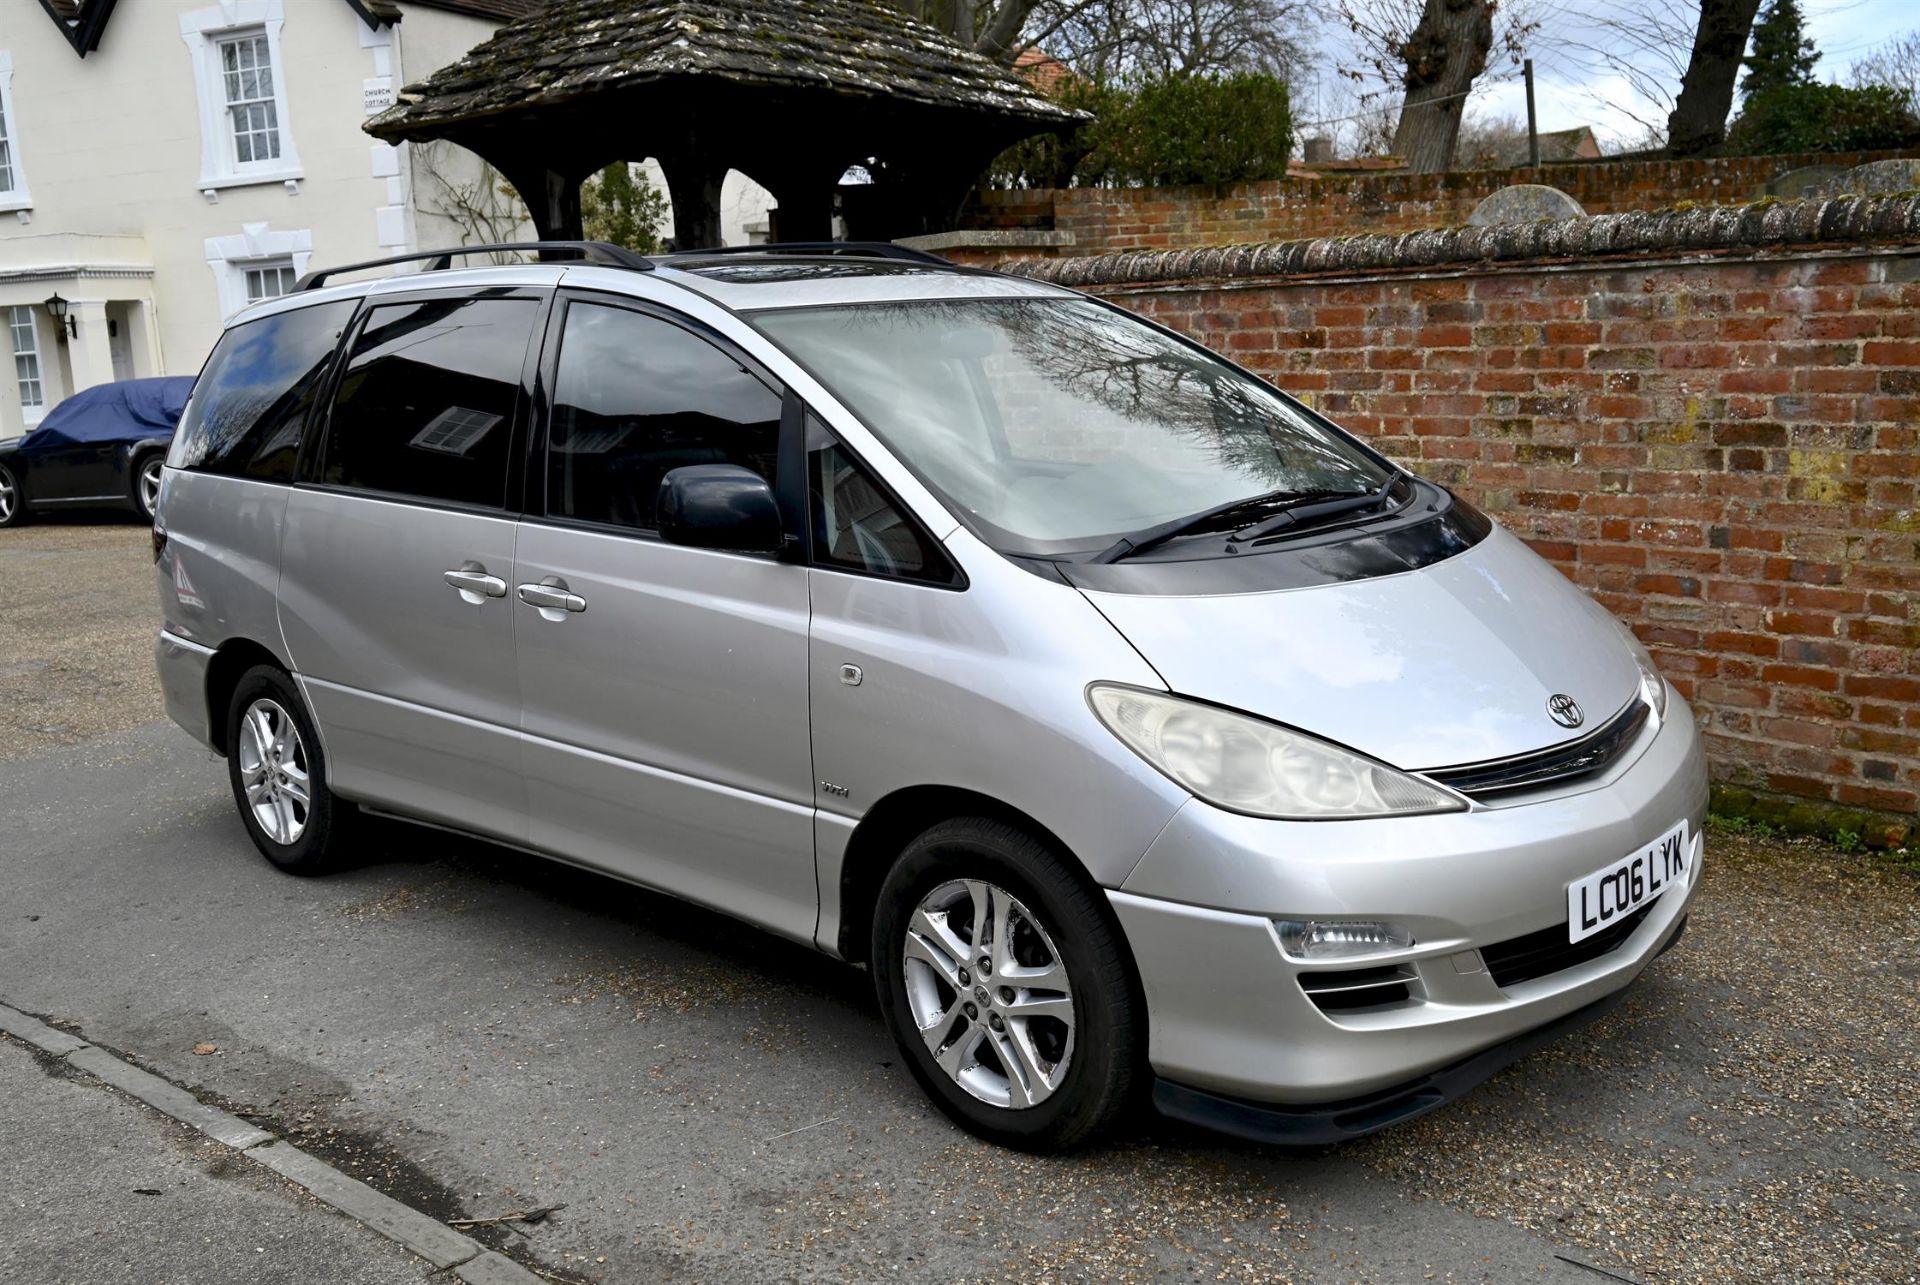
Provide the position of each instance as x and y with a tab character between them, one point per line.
279	777
13	504
1006	985
147	473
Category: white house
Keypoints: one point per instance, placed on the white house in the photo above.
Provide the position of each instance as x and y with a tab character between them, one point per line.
165	162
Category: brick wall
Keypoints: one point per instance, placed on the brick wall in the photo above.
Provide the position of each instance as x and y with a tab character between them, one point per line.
1114	219
1723	450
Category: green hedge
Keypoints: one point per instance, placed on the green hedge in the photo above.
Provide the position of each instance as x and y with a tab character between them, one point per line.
1822	118
1166	131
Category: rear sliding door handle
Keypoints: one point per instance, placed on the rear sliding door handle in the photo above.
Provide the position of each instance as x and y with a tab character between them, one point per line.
552	597
474	584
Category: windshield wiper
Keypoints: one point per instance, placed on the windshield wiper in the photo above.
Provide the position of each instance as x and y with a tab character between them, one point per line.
1213	519
1295	515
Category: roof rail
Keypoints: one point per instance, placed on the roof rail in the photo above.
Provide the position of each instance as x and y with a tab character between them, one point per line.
857	249
600	252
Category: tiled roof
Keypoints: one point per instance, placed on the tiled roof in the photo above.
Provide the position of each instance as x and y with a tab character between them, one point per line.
570	49
1043	71
498	10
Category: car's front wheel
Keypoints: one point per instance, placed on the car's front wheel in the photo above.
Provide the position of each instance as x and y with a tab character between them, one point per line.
13	504
146	484
278	774
1006	985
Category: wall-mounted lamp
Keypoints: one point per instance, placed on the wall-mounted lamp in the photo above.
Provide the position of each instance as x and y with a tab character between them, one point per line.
69	326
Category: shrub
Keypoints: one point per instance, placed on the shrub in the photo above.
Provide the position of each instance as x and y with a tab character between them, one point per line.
1822	118
618	205
1160	132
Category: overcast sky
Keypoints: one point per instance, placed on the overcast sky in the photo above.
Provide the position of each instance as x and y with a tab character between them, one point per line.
1572	87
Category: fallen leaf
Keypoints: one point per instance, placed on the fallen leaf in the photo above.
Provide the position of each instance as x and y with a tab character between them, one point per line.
201	1050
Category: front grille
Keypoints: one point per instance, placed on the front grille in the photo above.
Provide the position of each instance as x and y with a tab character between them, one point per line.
1567	761
1521	959
1344	989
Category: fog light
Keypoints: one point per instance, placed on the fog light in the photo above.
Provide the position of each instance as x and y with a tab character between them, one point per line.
1317	940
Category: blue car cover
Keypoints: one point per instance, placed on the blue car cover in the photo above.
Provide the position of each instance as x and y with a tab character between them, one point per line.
125	411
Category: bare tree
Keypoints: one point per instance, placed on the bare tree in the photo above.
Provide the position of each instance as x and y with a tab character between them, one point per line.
1699	117
993	27
1643	43
1432	52
1444	54
1895	64
1481	138
1115	38
1356	121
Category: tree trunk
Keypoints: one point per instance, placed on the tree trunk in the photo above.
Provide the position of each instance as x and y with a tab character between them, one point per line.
1699	117
1444	54
990	27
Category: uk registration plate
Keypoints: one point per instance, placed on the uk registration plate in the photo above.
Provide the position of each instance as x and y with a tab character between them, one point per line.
1602	898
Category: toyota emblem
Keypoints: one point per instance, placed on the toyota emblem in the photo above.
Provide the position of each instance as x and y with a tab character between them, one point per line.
1565	710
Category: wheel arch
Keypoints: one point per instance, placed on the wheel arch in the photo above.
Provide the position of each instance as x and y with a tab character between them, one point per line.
229	664
893	822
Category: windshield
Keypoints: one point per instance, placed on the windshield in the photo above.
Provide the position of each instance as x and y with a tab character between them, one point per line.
1058	425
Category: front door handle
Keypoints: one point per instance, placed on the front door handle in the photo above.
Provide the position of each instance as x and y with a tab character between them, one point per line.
474	584
552	598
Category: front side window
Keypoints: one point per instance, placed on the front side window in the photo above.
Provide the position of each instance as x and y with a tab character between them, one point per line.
635	397
250	404
26	361
426	404
1056	426
856	525
269	281
246	78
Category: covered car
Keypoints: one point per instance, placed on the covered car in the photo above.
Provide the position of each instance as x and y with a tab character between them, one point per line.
102	447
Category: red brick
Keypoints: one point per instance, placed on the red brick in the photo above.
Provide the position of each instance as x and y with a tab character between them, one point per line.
1825	680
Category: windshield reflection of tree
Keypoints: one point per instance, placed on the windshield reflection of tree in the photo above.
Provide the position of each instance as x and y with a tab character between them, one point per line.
1091	354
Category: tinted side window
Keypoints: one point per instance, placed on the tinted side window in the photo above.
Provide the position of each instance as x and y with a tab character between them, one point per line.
250	403
636	396
856	525
426	403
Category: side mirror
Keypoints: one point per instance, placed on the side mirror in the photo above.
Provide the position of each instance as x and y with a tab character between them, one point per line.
719	506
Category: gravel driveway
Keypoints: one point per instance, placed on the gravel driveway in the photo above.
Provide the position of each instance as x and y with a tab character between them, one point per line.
76	634
714	1104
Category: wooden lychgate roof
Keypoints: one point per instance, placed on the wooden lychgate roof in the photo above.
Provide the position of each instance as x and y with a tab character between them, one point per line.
570	50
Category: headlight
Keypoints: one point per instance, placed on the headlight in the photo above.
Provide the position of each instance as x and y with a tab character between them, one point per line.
1248	765
1653	687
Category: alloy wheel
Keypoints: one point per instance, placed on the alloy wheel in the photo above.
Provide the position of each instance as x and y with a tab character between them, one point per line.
9	495
150	484
989	992
273	771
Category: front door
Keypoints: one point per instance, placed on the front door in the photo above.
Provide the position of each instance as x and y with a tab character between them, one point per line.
398	553
665	695
67	470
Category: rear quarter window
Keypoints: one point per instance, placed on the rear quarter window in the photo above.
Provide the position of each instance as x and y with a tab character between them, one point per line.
249	406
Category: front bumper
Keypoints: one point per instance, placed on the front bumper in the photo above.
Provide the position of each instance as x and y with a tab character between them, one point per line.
1326	1123
1227	1015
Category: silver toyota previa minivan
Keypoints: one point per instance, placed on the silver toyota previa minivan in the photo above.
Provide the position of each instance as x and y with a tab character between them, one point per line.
1145	734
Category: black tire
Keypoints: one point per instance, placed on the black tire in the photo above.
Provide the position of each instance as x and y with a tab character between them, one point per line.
1108	1026
138	493
324	820
15	507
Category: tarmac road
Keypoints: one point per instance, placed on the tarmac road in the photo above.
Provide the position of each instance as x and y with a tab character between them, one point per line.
477	1032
